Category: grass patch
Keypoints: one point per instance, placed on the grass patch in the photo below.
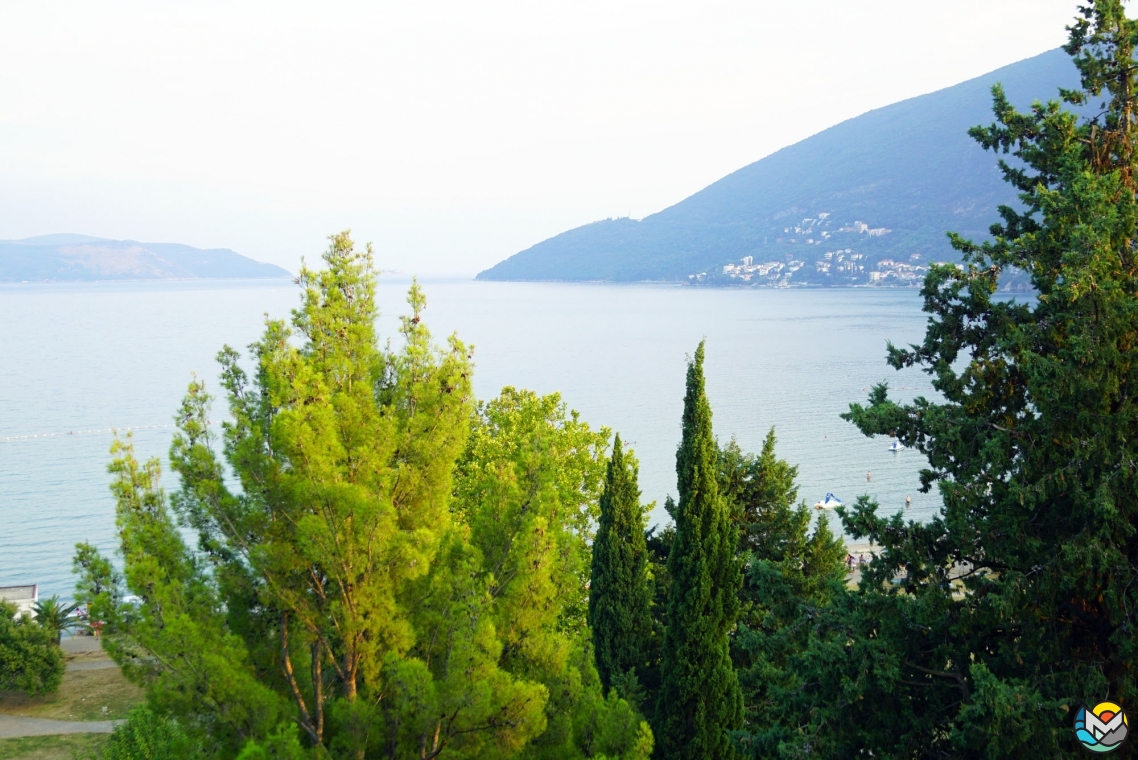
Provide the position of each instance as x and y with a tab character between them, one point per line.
51	747
84	695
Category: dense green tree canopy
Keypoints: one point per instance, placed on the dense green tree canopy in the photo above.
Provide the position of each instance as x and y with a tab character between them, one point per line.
394	570
619	595
792	572
386	567
979	633
699	700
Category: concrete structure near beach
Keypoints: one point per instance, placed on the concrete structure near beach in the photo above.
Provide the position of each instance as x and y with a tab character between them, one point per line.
24	597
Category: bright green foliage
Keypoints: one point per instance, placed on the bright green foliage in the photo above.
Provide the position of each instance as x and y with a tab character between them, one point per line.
301	603
699	700
619	599
1033	449
30	660
281	744
529	487
791	575
610	729
453	670
386	580
145	735
56	616
177	642
99	585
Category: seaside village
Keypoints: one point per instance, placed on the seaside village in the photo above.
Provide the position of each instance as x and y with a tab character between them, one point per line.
837	266
846	264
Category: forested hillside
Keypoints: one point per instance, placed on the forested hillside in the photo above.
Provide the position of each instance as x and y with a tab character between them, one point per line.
876	193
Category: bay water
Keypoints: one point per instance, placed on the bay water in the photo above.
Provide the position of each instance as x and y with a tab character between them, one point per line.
78	360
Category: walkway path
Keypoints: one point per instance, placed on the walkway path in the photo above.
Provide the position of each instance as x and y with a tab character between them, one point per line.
85	651
15	725
91	665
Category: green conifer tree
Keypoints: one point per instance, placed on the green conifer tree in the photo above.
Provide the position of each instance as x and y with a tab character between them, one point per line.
981	633
619	599
791	572
699	700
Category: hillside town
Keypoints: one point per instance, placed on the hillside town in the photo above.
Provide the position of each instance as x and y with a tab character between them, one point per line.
830	266
843	267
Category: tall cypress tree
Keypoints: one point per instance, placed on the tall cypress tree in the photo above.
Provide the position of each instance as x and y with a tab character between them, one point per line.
699	699
618	589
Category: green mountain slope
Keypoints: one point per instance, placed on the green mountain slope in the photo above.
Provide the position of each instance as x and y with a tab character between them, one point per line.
57	258
876	193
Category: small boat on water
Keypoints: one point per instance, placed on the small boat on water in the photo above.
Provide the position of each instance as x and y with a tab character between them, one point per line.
896	446
828	502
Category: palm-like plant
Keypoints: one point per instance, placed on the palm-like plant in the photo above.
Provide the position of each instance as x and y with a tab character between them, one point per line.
56	616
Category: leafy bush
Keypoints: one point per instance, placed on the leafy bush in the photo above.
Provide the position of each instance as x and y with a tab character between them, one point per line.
148	736
30	660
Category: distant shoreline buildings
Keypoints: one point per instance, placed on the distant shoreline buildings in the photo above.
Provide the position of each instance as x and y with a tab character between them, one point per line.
837	267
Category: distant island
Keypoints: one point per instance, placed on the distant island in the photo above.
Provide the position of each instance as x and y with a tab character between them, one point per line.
81	258
866	202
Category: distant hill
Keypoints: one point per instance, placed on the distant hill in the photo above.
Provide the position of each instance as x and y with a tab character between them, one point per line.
876	193
56	258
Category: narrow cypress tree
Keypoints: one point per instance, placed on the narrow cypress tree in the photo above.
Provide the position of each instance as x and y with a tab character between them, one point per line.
618	589
699	699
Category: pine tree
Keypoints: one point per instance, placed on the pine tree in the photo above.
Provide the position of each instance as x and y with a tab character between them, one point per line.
981	632
699	700
791	572
618	589
775	538
341	600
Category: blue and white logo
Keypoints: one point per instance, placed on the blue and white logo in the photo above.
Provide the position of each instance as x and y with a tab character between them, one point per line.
1101	728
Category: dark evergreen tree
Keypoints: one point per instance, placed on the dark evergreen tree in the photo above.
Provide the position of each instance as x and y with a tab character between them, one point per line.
618	588
792	574
699	700
774	532
659	543
980	633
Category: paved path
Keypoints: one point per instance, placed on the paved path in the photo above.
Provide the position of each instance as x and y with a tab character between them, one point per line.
91	665
81	644
13	725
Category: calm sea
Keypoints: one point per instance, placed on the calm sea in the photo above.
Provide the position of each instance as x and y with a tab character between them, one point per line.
79	360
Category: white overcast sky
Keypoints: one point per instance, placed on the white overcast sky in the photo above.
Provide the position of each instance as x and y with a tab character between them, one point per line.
451	134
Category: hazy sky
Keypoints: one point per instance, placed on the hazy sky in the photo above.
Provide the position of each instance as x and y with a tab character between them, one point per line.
451	134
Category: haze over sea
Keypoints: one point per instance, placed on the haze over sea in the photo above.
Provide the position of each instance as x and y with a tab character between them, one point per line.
80	359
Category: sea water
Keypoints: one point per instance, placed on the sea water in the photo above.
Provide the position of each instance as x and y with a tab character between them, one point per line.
78	360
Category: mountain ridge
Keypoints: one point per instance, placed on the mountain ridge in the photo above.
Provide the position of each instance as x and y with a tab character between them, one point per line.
69	257
908	172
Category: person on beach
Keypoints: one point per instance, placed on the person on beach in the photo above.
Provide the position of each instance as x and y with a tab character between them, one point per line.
868	477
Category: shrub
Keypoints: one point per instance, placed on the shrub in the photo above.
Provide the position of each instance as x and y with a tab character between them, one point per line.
30	660
148	736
